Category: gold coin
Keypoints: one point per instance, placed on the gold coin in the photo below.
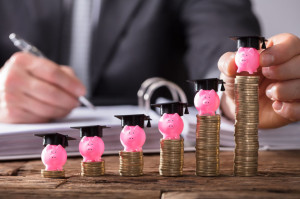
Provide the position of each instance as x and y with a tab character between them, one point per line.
52	174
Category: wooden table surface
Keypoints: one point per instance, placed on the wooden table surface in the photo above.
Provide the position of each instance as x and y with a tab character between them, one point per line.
278	177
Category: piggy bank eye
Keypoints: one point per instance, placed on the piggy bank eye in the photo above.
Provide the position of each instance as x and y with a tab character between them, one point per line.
168	120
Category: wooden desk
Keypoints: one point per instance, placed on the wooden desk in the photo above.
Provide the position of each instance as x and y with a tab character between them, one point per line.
279	177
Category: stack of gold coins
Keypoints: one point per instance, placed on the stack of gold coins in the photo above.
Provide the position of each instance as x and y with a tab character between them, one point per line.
246	125
171	157
93	169
207	145
131	163
53	174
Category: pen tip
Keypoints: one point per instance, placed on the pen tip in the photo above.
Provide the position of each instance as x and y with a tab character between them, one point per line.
12	36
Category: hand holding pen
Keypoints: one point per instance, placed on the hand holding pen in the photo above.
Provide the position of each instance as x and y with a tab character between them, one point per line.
35	89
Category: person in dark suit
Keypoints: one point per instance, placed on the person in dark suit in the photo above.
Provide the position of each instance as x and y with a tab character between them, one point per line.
131	41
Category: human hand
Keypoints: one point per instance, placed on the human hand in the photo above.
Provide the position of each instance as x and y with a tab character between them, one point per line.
279	89
34	90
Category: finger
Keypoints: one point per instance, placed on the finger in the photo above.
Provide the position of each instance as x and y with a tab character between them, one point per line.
50	94
43	109
68	70
284	91
42	91
285	46
12	113
48	71
35	106
14	80
286	71
288	110
226	64
15	102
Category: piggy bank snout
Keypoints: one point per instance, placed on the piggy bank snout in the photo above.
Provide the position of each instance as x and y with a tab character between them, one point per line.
171	125
206	102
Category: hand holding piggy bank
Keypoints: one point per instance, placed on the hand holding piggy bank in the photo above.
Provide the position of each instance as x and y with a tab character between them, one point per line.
54	157
247	59
170	126
132	138
206	102
91	148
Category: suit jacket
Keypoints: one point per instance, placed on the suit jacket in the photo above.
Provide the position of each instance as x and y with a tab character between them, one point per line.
135	39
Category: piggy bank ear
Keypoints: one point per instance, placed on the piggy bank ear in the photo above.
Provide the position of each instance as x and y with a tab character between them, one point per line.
175	115
126	128
165	116
201	92
212	92
136	127
84	139
58	147
251	50
49	146
95	138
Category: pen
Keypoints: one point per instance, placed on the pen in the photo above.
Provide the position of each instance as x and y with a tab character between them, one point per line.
27	47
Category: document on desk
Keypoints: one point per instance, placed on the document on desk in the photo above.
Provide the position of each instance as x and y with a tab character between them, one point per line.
17	140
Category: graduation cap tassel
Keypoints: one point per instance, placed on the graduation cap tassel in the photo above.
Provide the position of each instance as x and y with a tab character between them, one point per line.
186	111
66	141
223	87
148	123
263	45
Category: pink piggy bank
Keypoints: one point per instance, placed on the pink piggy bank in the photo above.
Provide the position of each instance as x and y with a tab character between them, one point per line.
247	59
91	148
133	138
206	102
170	126
54	157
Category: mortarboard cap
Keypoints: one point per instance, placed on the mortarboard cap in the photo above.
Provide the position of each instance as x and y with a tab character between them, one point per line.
55	139
91	131
132	120
250	41
172	107
208	84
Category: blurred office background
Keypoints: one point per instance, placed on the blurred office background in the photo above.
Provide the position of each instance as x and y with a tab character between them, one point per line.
278	16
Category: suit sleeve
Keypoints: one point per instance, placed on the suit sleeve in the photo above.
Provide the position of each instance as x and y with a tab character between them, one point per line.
207	26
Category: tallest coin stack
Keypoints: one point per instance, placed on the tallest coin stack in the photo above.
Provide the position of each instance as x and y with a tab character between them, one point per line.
246	125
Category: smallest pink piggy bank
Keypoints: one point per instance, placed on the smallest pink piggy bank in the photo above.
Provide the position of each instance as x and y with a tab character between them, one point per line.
133	138
170	126
247	59
206	102
54	157
91	148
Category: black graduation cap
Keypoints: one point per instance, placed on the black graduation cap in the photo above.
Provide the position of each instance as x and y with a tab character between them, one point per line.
91	131
208	84
55	139
250	41
172	107
132	120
